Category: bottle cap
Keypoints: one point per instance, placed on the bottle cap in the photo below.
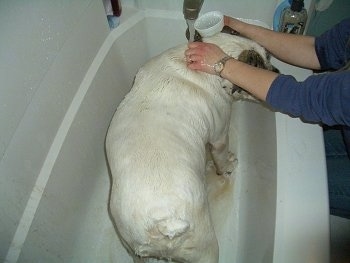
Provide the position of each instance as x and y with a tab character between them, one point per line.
297	5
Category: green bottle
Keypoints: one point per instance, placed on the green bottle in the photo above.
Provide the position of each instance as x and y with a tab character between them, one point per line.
293	19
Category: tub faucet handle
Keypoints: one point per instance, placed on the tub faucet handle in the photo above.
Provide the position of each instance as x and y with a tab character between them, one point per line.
191	8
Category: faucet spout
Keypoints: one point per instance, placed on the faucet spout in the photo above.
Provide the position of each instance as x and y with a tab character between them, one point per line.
191	9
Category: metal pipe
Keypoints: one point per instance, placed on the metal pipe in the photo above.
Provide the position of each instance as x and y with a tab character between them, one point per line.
191	9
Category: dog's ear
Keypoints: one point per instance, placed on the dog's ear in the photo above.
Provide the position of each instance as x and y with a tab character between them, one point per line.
252	58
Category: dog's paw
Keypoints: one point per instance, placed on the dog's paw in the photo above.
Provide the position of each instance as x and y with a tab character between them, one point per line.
231	164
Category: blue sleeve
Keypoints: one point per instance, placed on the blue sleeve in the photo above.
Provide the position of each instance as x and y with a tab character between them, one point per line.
333	46
321	98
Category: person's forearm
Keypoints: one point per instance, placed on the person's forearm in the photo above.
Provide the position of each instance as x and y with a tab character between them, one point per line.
256	81
293	49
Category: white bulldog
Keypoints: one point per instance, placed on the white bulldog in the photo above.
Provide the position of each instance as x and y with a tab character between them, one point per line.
156	150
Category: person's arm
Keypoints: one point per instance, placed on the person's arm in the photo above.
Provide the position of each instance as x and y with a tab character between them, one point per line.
333	46
256	81
294	49
202	56
322	98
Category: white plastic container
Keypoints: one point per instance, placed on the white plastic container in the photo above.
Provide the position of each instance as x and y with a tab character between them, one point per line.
209	23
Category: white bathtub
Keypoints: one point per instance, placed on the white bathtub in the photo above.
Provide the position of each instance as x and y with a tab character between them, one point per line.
277	210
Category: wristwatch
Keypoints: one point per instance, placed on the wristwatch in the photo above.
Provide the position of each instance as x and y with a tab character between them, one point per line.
219	66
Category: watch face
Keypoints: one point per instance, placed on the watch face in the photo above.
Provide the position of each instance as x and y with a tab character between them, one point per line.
218	67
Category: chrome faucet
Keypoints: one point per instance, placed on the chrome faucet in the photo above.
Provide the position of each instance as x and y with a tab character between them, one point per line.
191	9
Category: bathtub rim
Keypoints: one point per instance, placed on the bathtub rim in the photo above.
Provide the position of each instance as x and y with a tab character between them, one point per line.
294	215
287	208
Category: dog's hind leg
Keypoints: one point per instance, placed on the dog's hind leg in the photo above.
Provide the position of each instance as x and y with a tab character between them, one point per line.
223	159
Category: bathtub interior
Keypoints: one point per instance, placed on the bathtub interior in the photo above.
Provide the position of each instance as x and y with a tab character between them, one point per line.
72	223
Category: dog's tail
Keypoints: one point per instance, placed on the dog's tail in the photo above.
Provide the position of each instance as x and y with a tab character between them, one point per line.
164	234
172	227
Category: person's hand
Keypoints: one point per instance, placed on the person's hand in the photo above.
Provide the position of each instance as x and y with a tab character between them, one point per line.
202	56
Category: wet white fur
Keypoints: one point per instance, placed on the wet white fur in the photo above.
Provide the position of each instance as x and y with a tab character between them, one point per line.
156	149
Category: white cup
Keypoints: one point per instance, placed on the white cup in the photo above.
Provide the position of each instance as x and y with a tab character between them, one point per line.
209	23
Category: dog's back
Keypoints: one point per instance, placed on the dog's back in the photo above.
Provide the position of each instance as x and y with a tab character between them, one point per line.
156	152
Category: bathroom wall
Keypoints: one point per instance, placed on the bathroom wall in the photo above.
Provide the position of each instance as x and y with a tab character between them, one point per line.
260	10
46	48
325	19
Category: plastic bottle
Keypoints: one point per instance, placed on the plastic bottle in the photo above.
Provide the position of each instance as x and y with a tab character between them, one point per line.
113	10
293	19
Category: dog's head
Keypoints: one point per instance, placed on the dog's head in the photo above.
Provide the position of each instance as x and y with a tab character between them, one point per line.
244	50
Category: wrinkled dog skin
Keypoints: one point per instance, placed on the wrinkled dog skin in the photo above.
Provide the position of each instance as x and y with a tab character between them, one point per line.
156	150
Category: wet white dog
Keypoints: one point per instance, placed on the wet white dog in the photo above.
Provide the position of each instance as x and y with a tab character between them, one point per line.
156	149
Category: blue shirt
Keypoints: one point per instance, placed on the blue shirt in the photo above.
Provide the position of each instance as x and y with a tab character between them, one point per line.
323	98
